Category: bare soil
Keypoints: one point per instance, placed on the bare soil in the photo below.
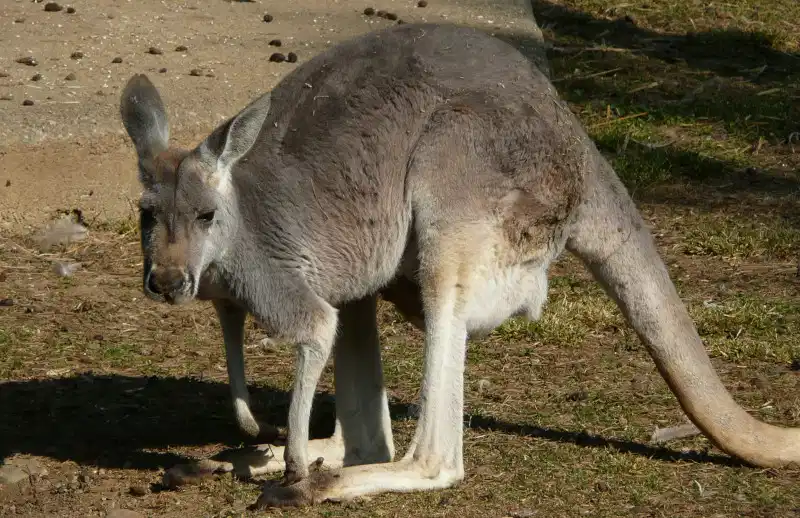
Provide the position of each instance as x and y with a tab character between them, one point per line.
104	389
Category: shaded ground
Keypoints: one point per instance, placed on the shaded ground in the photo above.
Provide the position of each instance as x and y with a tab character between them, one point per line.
104	389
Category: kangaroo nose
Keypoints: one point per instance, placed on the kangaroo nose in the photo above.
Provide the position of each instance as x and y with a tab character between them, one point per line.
164	282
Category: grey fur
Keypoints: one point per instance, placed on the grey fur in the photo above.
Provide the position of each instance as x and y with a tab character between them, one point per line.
435	165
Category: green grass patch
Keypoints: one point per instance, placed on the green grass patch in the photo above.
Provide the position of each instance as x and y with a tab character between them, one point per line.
742	237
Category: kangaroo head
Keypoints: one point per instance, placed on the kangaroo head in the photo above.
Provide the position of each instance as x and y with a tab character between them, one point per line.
187	207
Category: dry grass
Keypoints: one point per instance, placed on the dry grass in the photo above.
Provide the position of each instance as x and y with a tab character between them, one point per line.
559	411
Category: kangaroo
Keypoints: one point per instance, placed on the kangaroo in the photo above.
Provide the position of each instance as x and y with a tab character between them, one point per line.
434	165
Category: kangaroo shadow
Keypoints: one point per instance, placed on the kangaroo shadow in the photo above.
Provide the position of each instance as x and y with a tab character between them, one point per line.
733	83
116	421
726	52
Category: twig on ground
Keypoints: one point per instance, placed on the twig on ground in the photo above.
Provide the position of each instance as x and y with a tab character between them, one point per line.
627	117
653	146
644	87
769	91
672	433
578	50
589	76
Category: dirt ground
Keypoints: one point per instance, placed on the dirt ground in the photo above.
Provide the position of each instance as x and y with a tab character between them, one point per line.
101	390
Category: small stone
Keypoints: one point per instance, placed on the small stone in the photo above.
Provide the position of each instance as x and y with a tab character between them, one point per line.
422	3
268	18
4	74
36	77
117	60
277	57
28	60
381	14
52	7
123	513
138	490
99	338
579	395
65	269
181	48
70	77
291	57
7	97
275	43
369	11
155	51
19	20
8	184
18	470
391	16
76	55
196	72
162	70
400	22
210	74
602	486
27	102
70	10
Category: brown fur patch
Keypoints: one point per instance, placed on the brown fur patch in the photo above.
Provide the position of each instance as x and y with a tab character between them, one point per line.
169	247
166	163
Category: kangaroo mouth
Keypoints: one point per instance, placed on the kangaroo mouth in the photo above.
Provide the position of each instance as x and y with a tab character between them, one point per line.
177	291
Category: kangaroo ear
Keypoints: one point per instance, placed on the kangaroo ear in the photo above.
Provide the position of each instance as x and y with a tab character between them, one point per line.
241	133
144	117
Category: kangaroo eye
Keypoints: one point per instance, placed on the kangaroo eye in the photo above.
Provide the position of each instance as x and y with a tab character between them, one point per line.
206	217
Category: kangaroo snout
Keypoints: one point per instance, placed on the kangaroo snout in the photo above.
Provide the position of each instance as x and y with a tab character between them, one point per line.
169	283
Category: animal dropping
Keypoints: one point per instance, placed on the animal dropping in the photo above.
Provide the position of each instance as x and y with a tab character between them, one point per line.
27	60
434	166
